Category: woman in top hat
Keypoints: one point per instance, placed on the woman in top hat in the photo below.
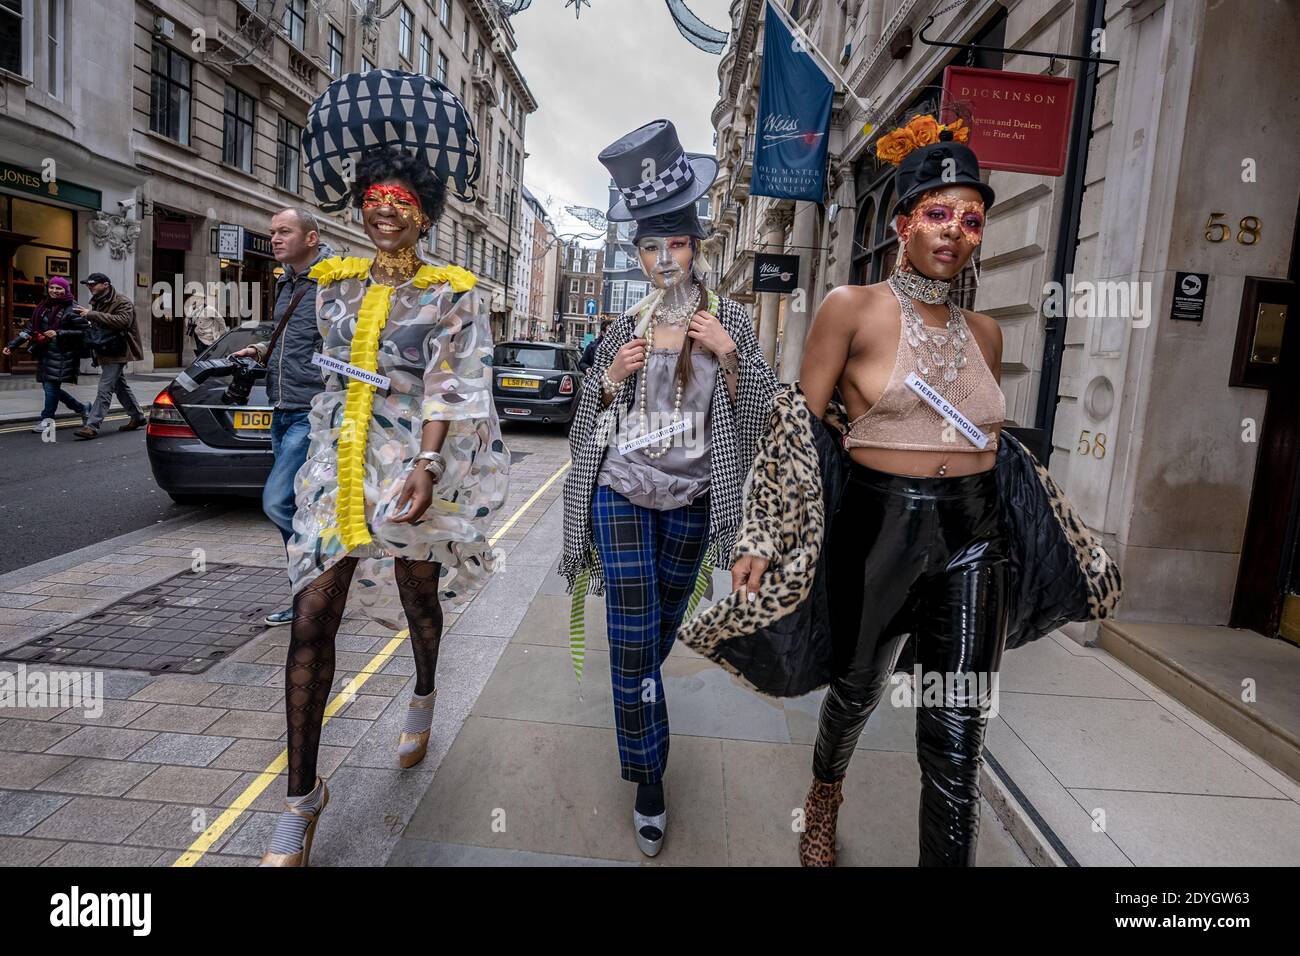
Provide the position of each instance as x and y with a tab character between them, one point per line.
406	465
665	432
917	546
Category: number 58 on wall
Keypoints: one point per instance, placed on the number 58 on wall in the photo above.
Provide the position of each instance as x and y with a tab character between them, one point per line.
1247	232
1094	446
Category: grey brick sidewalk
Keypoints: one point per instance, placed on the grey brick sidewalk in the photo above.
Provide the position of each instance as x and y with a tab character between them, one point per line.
138	783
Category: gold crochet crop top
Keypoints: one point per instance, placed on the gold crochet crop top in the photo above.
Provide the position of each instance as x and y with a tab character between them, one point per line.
902	420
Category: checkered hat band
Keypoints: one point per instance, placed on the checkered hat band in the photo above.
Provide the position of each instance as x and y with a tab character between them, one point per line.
673	179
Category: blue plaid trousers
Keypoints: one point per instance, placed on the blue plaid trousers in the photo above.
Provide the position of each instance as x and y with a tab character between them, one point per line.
651	560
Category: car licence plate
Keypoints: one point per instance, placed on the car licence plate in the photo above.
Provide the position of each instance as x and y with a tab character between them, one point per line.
252	421
520	383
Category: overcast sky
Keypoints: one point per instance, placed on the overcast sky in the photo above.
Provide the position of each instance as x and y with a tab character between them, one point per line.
619	66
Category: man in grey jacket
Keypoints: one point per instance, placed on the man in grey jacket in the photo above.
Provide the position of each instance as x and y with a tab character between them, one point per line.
292	381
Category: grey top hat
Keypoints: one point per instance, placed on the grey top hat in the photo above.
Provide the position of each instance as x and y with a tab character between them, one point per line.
653	173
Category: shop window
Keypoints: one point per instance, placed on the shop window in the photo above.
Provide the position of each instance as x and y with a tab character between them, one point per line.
46	224
169	93
237	141
49	252
288	159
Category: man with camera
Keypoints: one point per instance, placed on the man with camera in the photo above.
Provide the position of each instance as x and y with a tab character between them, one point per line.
291	378
114	338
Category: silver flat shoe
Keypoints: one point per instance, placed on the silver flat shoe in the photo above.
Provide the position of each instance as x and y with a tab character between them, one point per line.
641	825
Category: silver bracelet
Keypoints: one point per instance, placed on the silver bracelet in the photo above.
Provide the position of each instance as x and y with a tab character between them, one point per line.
434	463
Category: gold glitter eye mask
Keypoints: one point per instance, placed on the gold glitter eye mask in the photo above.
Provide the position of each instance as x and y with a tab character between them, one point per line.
934	213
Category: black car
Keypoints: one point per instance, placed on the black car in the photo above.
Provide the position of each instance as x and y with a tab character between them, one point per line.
535	381
200	444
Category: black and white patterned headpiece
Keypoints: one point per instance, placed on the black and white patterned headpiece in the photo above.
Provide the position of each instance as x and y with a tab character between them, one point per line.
360	111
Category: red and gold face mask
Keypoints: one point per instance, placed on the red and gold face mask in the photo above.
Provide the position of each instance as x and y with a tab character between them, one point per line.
935	213
403	200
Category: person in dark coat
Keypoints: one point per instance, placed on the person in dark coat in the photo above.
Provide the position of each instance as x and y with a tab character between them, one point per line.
589	353
53	337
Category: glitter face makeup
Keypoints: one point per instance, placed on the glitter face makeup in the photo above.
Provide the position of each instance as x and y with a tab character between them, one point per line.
934	213
403	200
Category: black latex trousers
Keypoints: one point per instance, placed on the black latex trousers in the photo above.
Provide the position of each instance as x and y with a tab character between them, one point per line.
926	557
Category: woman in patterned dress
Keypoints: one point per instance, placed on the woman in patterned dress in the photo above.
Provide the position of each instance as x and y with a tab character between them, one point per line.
406	466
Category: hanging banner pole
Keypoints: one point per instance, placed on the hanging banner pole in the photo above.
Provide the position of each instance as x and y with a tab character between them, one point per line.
806	45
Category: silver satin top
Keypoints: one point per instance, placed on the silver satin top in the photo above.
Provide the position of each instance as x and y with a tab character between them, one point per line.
682	474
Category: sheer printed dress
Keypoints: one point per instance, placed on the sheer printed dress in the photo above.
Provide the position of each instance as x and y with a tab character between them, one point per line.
431	338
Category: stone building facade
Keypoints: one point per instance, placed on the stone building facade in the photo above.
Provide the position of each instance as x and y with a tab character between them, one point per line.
1156	426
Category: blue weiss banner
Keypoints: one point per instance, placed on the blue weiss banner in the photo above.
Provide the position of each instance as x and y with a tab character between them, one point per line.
794	115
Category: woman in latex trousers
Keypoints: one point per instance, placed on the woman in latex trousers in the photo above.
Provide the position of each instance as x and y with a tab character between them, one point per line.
917	546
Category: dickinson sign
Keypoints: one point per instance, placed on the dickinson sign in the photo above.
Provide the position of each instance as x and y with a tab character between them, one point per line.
1020	122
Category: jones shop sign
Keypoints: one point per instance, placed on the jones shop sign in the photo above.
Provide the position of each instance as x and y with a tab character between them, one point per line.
775	273
28	181
1020	121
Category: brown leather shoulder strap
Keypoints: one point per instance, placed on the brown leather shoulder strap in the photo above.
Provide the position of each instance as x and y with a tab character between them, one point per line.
279	329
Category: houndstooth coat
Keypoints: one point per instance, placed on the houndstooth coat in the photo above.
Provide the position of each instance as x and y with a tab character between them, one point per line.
734	439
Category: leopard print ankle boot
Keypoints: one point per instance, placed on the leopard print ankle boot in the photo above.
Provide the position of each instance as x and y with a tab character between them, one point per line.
820	812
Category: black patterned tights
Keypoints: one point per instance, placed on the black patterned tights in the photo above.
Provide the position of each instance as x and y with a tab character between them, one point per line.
309	670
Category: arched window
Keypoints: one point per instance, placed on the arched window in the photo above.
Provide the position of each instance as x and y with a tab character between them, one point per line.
874	244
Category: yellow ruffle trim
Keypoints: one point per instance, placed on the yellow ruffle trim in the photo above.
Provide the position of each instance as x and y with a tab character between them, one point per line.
350	506
356	267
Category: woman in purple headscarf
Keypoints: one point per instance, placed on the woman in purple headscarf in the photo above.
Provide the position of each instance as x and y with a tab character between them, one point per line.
53	335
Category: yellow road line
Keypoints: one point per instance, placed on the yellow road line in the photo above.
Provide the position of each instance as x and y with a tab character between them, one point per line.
277	766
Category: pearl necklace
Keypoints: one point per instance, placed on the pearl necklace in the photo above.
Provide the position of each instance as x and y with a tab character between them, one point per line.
651	451
929	343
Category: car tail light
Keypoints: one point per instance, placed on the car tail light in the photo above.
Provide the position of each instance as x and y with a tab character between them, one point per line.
566	385
165	419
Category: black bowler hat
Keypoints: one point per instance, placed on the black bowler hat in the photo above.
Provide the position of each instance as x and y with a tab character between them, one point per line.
95	277
923	169
653	174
